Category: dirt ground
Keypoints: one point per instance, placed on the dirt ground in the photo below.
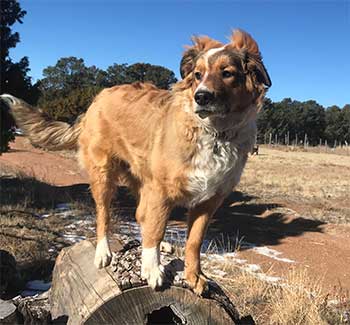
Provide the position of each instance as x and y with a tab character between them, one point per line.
291	209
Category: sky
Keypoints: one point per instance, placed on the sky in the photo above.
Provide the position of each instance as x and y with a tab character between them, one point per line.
305	44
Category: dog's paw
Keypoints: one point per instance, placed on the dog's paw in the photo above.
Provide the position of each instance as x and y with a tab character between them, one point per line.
103	255
151	269
154	277
197	282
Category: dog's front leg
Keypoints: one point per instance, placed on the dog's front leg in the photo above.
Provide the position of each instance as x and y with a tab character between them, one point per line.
152	214
102	190
198	220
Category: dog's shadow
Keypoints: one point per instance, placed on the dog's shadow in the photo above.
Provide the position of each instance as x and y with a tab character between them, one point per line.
242	217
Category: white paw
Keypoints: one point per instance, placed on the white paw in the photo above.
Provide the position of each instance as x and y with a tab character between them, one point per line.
155	277
103	255
151	269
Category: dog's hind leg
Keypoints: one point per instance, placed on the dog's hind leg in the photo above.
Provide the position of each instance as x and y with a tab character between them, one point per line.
152	214
198	221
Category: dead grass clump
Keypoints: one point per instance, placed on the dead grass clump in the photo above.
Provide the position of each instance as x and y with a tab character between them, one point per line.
297	301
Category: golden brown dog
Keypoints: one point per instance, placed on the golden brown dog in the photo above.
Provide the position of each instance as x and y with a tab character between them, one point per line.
183	147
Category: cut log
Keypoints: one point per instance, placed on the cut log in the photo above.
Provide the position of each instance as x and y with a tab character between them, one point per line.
7	312
118	295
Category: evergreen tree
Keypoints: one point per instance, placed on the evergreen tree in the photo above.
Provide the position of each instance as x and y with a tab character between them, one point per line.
13	75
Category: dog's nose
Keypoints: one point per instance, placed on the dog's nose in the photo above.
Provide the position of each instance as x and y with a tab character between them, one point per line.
203	97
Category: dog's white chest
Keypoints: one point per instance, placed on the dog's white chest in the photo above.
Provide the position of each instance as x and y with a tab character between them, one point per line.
216	168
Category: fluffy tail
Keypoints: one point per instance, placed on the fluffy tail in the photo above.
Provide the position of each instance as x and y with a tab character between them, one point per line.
42	132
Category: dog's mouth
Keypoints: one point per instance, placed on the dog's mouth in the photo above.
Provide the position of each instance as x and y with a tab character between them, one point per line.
204	112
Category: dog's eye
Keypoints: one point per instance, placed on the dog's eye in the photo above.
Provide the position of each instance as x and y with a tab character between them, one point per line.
198	75
227	74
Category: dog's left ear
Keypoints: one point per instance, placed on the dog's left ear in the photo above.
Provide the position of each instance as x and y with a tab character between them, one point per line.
243	42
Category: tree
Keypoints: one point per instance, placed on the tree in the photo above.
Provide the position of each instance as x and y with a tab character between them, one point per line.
71	73
69	86
346	123
13	76
313	117
118	74
333	124
293	119
161	77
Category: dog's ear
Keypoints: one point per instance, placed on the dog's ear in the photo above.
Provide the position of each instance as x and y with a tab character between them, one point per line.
201	44
243	42
188	62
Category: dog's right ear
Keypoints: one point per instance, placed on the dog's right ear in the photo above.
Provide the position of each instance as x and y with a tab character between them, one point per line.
201	44
188	62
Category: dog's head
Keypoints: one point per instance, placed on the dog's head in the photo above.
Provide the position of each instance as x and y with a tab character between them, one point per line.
224	79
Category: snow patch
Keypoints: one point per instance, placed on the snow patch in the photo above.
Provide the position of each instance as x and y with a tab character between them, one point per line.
73	237
266	251
35	287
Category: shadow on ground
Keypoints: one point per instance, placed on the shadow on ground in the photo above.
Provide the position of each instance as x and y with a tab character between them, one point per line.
244	216
241	215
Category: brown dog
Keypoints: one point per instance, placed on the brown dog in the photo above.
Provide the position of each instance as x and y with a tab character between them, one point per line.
184	147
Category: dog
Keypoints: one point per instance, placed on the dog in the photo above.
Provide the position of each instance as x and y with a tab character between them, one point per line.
255	150
181	147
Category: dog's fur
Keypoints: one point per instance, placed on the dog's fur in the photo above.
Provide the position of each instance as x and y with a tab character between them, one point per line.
169	150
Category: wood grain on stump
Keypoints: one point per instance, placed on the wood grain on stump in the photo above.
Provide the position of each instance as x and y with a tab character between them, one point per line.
118	295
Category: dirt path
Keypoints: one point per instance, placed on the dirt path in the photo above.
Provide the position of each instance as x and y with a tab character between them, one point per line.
274	237
58	169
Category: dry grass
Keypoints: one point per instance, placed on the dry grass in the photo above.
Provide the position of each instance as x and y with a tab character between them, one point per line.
295	300
316	185
339	150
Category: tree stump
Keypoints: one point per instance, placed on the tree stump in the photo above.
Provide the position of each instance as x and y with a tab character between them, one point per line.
118	295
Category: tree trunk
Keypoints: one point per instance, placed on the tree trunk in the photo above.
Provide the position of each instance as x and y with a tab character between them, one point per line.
117	294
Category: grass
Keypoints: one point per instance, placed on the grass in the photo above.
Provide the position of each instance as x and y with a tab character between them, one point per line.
295	300
316	185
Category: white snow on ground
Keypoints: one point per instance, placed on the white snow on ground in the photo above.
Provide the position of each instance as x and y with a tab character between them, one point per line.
63	207
269	252
35	287
74	238
252	267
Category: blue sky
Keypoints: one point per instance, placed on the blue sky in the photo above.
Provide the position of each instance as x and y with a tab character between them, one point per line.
305	44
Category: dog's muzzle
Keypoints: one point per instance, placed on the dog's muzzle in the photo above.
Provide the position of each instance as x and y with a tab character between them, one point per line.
204	100
208	105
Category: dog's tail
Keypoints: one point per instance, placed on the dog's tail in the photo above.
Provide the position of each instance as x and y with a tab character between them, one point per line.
43	132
